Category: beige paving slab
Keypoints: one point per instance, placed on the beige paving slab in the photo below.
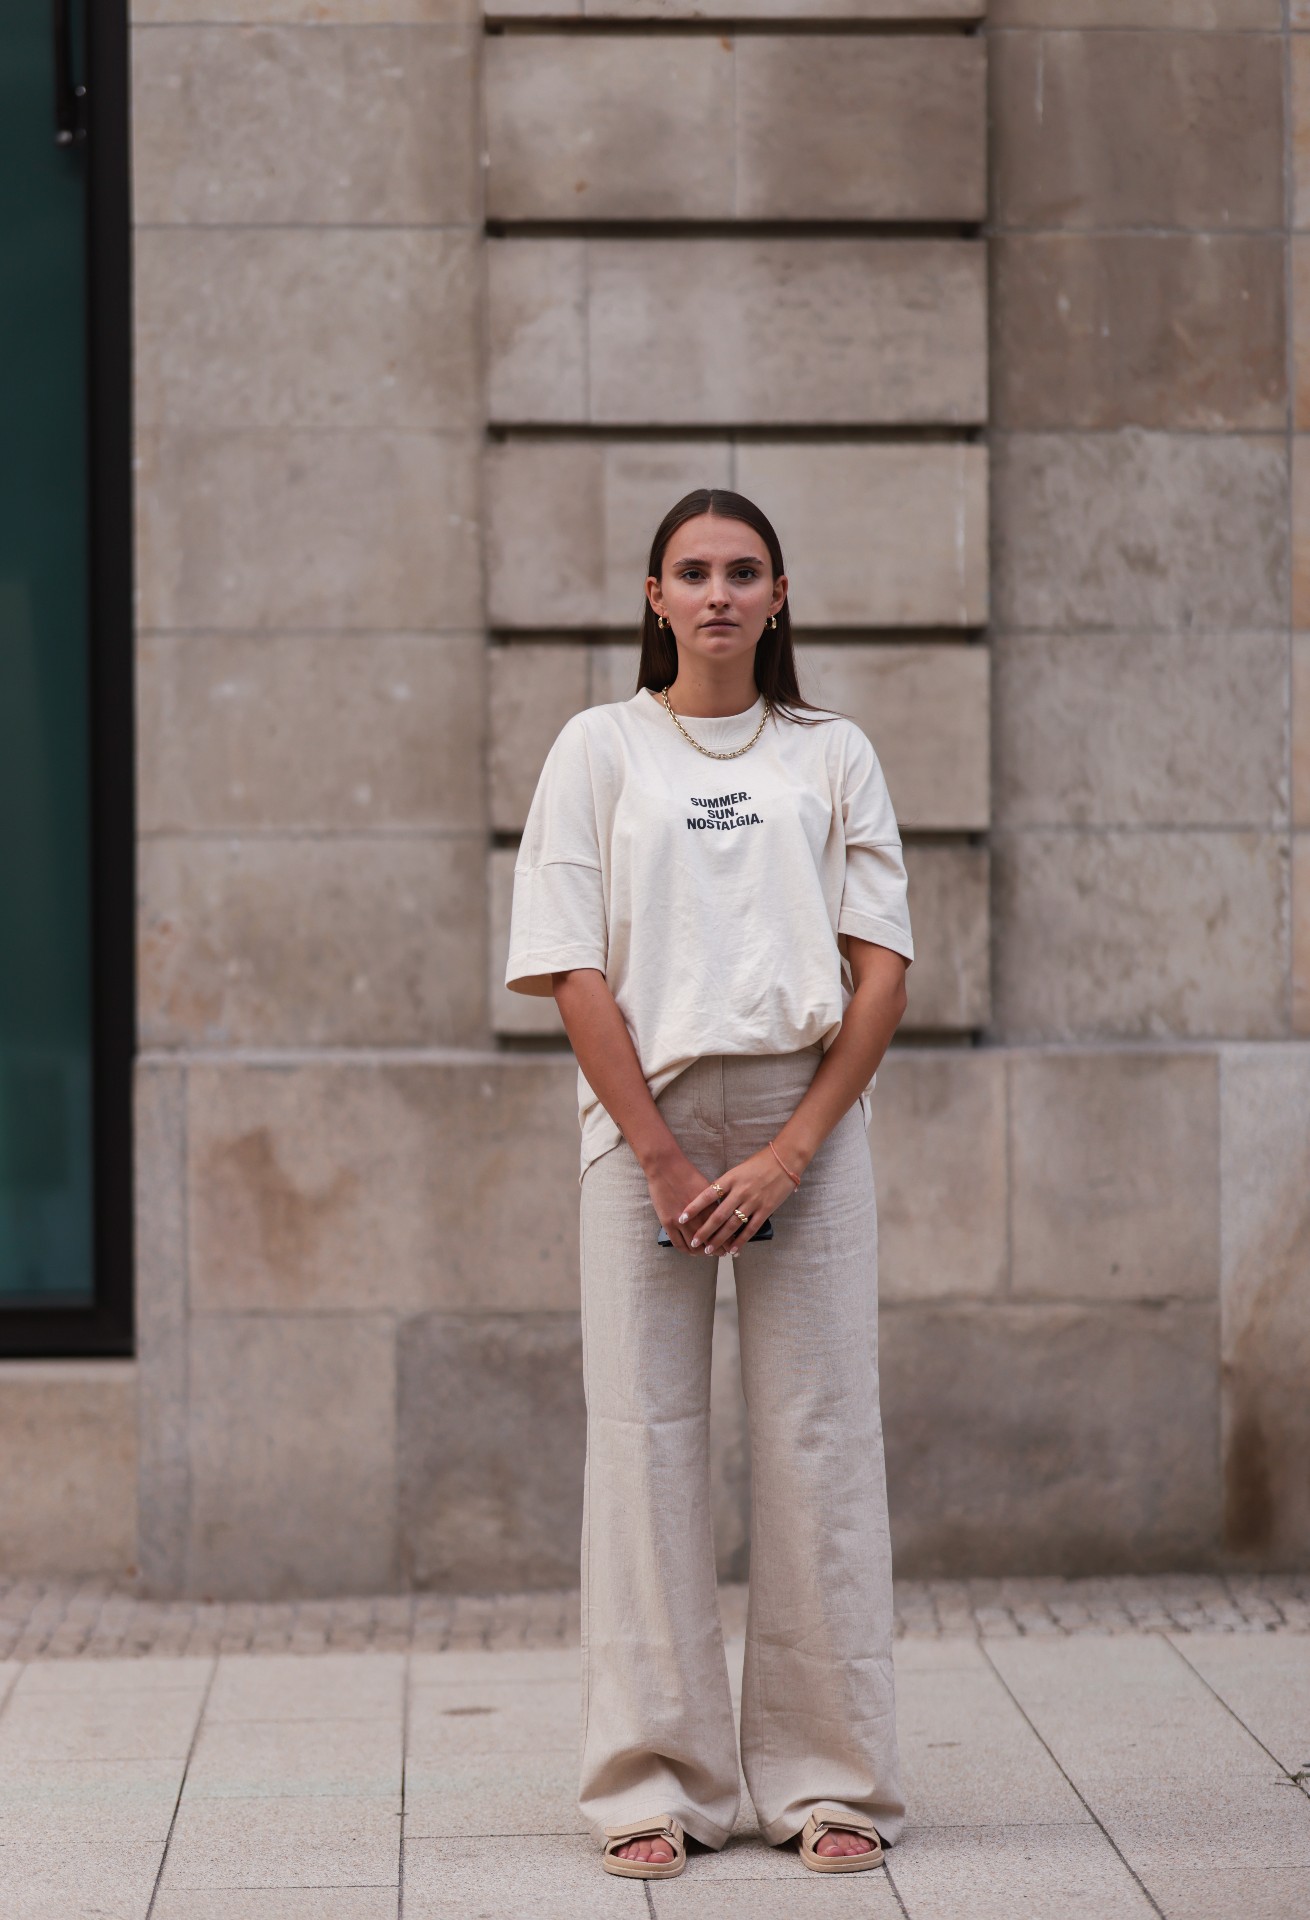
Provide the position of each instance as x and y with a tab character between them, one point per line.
804	1896
494	1793
1233	1893
1051	1872
88	1800
491	1718
58	1880
1264	1679
311	1841
9	1672
1174	1778
518	1666
332	1686
278	1903
185	1673
550	1879
357	1759
111	1726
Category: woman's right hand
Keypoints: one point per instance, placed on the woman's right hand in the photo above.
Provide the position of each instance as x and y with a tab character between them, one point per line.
673	1181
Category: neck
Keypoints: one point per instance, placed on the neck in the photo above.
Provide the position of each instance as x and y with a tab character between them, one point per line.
702	695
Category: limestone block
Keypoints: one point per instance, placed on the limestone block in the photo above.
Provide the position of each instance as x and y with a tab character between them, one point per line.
1298	51
1182	14
493	1431
570	522
1266	1304
341	1187
1050	1439
1301	530
610	126
861	127
938	1144
534	690
289	126
308	327
293	1456
310	730
708	332
160	1329
876	536
1114	1175
1301	729
1150	934
307	531
512	1013
1301	933
612	673
949	982
1140	729
537	319
341	941
304	12
68	1501
1137	530
897	10
1201	114
1159	330
925	709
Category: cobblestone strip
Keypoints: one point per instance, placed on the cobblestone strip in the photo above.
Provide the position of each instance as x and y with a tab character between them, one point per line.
89	1619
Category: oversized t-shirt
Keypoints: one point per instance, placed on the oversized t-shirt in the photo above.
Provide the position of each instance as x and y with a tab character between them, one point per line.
712	894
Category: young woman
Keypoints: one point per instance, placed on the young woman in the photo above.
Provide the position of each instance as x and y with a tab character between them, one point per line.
711	885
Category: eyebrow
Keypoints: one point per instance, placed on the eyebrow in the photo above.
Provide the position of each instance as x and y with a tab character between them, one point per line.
746	560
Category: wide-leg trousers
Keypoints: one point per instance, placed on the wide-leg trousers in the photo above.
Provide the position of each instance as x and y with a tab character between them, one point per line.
818	1719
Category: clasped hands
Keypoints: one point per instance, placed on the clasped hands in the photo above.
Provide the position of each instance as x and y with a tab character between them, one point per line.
707	1223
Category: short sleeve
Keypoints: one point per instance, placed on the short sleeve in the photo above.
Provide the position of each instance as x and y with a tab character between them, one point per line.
874	902
557	916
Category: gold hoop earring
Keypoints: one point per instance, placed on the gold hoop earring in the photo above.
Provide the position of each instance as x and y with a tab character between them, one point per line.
773	621
661	621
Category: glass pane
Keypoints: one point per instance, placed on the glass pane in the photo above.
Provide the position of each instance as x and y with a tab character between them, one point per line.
45	1014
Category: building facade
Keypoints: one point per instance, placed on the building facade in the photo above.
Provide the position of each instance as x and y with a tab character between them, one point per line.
433	315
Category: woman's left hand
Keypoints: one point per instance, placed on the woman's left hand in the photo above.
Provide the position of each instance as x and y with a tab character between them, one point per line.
758	1186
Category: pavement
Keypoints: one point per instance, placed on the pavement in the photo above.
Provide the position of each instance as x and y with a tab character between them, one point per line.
1074	1750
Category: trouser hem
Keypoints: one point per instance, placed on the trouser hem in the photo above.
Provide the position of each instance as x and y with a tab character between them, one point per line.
708	1832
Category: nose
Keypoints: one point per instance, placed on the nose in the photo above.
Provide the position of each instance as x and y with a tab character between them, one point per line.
718	595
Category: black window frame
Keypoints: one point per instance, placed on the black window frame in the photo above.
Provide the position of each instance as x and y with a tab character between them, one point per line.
105	1327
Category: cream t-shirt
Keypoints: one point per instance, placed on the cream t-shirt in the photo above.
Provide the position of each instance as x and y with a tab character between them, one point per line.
712	894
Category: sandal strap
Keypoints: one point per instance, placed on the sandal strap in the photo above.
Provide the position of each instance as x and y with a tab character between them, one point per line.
662	1827
824	1818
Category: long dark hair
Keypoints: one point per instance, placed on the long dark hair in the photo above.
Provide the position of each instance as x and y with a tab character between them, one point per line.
775	658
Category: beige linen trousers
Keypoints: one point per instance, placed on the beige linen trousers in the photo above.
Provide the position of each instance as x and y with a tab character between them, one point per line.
818	1719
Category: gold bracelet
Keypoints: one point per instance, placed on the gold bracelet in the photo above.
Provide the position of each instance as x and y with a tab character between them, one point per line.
793	1177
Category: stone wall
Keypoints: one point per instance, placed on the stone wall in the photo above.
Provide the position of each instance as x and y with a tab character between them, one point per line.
434	317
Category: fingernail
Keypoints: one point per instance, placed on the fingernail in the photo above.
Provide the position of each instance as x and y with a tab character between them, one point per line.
681	1218
694	1241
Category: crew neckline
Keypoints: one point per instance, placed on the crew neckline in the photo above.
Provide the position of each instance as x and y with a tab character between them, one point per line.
698	722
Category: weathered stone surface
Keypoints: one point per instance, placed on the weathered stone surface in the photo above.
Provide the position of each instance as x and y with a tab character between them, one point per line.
493	1430
1114	1175
308	531
949	983
512	1013
876	536
428	1184
1298	53
1301	933
1077	1438
1182	14
1139	530
345	941
1140	729
160	1330
534	690
1299	306
280	125
613	672
873	535
926	711
307	327
610	126
1201	116
938	1143
310	730
1158	330
840	126
537	366
708	332
1266	1304
304	12
1301	729
293	1455
1301	530
68	1501
1150	934
897	10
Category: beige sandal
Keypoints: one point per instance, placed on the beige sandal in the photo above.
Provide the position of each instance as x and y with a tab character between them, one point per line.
819	1823
667	1828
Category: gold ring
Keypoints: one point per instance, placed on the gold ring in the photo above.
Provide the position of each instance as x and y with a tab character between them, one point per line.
716	1188
743	1217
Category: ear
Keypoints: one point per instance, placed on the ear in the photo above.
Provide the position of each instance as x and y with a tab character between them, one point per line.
654	595
779	593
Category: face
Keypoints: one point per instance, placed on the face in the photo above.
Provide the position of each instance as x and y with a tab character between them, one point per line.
717	588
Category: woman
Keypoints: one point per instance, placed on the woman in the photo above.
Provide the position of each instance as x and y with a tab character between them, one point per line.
710	883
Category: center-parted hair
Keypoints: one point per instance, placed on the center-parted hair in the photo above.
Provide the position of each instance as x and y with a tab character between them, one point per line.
775	659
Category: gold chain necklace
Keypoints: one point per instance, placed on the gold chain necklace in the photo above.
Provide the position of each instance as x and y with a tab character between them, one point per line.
709	751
